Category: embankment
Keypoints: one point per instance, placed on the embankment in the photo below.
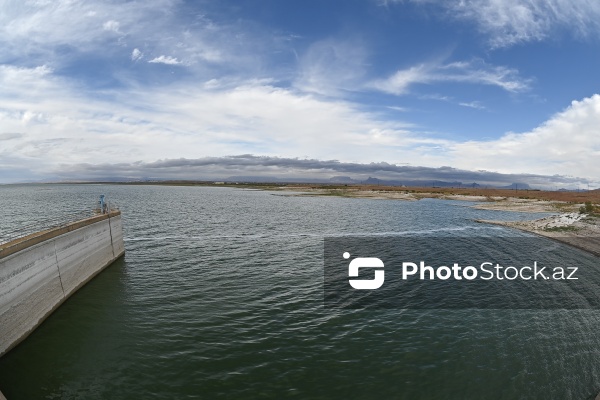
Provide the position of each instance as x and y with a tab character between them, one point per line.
40	271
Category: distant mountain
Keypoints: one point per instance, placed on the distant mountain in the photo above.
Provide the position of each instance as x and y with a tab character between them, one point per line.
578	190
420	183
516	185
258	179
342	179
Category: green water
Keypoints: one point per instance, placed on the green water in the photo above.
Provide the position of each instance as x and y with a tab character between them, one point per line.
220	296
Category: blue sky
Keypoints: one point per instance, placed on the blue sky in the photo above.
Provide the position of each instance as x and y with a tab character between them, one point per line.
118	87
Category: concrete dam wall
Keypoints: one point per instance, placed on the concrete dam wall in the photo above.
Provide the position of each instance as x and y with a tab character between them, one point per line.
40	271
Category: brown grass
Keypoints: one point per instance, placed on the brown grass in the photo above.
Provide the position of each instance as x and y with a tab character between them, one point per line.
569	197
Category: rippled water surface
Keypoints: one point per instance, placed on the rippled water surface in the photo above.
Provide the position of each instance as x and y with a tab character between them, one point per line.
220	295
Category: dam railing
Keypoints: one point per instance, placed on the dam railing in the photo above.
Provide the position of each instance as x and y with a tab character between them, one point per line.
12	233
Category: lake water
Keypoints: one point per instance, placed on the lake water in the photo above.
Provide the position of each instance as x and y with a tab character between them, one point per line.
220	296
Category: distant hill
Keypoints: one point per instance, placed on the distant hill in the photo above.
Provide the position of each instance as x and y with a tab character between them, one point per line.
342	179
421	183
261	179
517	186
334	180
376	181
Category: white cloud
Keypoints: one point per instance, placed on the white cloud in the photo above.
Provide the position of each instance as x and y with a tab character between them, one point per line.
565	144
136	54
472	104
10	135
399	109
435	96
165	60
510	22
58	32
21	84
516	21
34	32
112	26
224	113
474	72
400	81
62	127
10	72
330	67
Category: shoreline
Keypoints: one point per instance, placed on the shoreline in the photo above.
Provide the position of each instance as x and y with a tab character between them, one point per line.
485	202
561	200
567	225
564	226
577	230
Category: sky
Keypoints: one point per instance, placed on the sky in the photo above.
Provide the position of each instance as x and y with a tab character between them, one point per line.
96	89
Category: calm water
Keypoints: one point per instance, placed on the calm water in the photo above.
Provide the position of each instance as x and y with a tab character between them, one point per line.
220	296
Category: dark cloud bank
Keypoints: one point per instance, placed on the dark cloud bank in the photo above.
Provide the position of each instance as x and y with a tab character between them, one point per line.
252	168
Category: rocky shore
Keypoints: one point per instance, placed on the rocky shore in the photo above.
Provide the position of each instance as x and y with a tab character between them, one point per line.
500	203
576	229
568	225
